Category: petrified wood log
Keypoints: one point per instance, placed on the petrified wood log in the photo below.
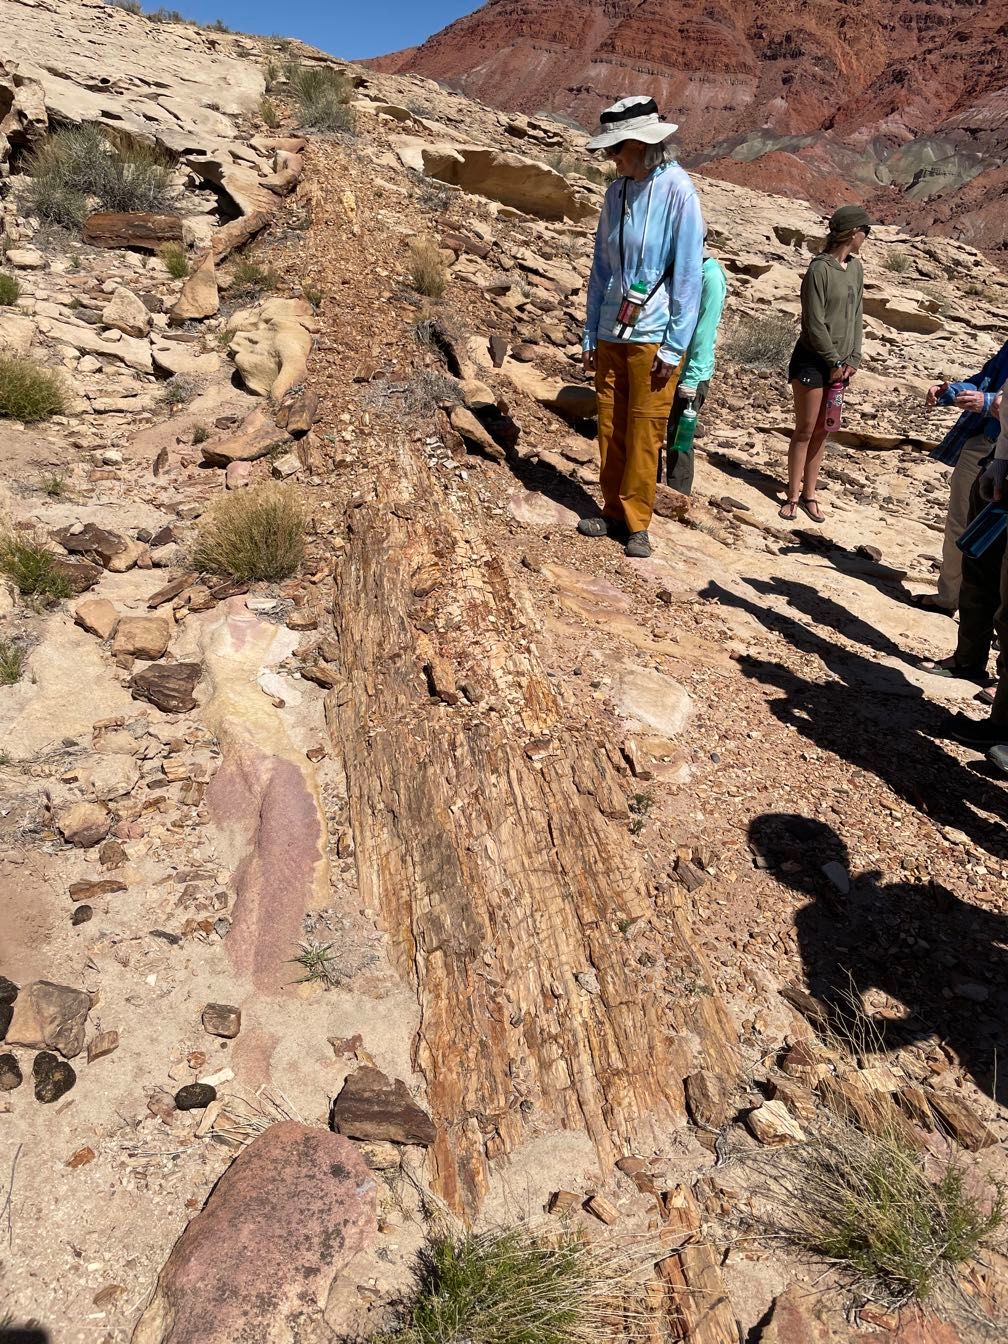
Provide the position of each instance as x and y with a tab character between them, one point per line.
132	230
483	845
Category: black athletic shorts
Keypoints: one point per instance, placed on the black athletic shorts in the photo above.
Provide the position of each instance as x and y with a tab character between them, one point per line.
807	368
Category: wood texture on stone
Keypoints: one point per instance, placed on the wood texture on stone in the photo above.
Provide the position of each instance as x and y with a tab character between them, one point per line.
132	230
498	879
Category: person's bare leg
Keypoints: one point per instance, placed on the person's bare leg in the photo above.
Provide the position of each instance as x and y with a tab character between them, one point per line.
807	404
813	461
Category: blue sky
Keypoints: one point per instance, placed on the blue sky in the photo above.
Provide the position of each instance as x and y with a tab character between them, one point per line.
348	28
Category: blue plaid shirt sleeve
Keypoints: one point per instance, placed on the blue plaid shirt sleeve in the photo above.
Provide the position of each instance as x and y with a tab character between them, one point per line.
989	381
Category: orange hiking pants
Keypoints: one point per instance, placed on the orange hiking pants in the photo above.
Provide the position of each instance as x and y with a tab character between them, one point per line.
632	422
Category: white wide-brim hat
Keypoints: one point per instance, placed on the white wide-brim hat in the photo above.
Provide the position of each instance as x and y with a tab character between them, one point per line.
631	119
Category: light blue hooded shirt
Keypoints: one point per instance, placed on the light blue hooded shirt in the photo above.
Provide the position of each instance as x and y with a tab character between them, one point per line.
663	225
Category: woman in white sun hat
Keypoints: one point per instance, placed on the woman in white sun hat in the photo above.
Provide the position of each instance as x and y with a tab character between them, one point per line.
643	301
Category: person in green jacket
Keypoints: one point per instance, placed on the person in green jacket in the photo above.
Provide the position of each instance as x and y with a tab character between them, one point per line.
697	371
828	350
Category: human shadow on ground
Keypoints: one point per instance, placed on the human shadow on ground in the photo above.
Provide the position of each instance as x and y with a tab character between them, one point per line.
541	478
934	954
24	1334
763	481
869	714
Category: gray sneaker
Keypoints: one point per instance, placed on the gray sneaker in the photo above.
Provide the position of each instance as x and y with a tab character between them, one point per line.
638	546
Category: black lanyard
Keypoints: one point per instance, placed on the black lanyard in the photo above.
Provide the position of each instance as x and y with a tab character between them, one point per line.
666	274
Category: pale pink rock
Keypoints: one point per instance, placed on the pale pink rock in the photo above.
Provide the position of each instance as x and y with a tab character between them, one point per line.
259	1261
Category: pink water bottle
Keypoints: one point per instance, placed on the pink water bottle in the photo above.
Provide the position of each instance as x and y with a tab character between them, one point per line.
833	407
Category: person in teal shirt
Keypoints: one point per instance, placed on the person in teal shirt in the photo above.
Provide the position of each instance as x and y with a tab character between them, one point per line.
697	371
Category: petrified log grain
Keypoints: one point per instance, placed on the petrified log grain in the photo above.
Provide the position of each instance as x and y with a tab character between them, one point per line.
499	882
132	230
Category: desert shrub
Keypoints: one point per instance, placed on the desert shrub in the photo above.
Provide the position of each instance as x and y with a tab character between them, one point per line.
180	389
312	293
250	277
866	1202
162	15
427	268
268	112
80	166
763	342
31	566
514	1286
130	6
271	75
252	534
10	290
323	95
898	262
29	392
12	661
423	394
200	434
176	260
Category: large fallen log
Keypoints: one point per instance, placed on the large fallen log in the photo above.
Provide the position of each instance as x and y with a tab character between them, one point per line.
482	847
132	230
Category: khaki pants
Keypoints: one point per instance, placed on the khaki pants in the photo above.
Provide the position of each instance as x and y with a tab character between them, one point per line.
963	475
632	421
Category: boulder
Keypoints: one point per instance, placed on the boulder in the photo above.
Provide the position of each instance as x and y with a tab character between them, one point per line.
97	616
574	401
169	686
24	258
476	437
708	1099
259	1262
523	183
371	1106
84	825
132	230
126	313
902	314
16	333
199	297
142	636
50	1017
23	119
270	345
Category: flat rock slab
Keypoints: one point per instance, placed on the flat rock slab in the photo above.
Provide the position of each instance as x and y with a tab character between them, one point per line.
373	1107
540	511
654	700
259	1261
169	686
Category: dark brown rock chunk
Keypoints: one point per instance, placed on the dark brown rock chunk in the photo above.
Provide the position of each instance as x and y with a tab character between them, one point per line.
53	1077
278	1230
132	230
222	1019
10	1073
169	686
79	574
957	1117
372	1106
8	990
708	1099
170	590
195	1096
95	543
88	890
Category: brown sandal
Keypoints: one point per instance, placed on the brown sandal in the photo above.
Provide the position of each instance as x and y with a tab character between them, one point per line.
788	510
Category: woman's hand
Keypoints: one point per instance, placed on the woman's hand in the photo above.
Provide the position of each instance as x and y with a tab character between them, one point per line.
588	361
661	372
836	373
934	392
849	371
970	401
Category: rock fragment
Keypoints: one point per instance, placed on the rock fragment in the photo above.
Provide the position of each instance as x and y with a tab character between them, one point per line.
142	636
372	1106
10	1072
222	1019
169	686
194	1096
53	1077
84	824
47	1015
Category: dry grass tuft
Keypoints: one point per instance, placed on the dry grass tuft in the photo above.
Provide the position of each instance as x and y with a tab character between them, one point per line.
897	262
763	342
427	268
323	96
519	1286
866	1202
253	534
28	392
176	260
268	113
12	661
30	564
250	277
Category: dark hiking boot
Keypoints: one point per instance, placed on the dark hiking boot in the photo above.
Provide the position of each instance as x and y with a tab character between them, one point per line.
638	546
980	734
